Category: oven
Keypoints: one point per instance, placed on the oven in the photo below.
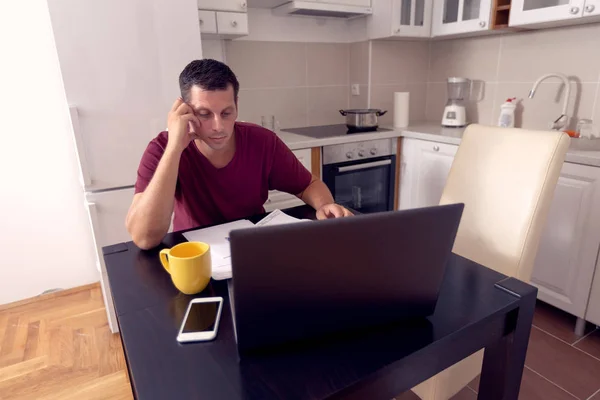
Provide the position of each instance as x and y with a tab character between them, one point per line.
361	175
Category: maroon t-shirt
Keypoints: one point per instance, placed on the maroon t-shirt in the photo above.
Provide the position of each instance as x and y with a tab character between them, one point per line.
206	195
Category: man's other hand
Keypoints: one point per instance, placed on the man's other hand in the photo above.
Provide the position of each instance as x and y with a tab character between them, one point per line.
332	211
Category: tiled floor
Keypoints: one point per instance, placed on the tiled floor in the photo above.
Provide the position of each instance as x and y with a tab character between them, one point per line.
559	365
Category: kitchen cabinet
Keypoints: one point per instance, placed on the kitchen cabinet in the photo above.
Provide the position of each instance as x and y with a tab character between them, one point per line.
566	260
400	18
281	200
424	168
232	24
593	311
455	17
222	25
223	5
208	21
531	12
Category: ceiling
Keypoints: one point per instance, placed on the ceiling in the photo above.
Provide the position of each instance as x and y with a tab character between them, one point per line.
266	3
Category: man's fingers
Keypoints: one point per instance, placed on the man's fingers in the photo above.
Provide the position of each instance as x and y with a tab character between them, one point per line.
177	103
347	213
320	214
192	122
183	109
336	211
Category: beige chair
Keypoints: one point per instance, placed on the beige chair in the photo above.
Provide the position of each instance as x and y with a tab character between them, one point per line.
506	178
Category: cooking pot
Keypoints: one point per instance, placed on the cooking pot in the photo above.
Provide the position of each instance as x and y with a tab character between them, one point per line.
362	119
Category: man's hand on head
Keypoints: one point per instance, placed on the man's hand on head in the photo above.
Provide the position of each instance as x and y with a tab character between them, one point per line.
332	211
182	126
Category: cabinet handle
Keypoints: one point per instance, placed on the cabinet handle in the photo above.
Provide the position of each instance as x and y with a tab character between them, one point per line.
590	8
397	30
243	5
201	22
574	10
436	148
482	24
234	23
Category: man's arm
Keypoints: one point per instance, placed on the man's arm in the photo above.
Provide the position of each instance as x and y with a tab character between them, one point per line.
289	175
150	213
318	196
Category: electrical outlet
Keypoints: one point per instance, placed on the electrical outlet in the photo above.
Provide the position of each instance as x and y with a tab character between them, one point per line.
355	89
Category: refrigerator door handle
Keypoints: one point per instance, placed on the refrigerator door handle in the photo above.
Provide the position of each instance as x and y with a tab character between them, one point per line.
85	173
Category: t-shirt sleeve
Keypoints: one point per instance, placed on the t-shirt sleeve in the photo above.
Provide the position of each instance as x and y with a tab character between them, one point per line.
148	165
287	173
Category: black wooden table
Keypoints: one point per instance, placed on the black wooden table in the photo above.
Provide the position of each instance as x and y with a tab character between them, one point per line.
477	308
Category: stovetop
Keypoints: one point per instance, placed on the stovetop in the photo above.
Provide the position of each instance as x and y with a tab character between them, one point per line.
326	131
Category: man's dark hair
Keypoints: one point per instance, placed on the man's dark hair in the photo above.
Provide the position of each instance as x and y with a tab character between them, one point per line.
209	75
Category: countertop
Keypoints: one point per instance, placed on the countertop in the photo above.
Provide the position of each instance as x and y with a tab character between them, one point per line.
425	131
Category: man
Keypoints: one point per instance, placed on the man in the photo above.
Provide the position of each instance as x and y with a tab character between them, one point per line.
210	169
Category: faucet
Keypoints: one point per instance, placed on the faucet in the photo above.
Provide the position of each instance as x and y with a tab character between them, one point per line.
562	121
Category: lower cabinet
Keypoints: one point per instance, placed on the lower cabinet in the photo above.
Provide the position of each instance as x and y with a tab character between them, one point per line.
593	310
424	168
566	260
568	251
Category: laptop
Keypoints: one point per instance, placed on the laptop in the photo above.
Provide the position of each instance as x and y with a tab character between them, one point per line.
312	279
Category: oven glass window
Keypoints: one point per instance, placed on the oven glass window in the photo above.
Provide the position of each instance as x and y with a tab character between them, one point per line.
366	190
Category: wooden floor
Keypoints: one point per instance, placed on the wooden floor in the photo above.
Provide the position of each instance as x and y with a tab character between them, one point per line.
59	346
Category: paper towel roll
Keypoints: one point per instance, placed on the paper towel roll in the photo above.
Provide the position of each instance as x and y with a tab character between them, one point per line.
401	109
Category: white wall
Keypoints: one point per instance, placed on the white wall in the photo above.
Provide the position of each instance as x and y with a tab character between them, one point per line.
213	48
45	239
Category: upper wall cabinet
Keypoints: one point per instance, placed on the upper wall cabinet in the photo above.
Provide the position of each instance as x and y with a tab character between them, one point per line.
223	5
222	25
456	17
545	12
223	19
400	18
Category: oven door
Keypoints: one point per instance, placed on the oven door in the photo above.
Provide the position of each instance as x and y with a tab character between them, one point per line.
366	186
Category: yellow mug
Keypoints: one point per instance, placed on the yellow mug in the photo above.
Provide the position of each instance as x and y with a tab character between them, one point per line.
189	265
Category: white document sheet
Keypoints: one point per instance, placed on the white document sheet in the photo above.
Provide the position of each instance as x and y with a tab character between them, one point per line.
278	217
218	239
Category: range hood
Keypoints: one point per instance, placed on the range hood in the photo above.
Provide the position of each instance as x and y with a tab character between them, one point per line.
320	9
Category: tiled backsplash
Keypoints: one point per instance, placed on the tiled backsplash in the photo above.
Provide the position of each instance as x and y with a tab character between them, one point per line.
511	63
307	83
399	66
299	83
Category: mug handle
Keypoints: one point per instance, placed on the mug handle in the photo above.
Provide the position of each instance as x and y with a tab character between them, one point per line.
164	260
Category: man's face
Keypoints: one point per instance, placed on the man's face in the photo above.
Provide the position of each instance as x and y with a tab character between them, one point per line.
217	113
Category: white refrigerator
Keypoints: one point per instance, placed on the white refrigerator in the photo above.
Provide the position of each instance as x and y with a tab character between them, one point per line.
120	62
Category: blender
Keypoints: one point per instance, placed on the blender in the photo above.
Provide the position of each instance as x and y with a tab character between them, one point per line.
455	114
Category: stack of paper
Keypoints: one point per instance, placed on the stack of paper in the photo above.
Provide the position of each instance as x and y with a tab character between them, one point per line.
278	217
218	239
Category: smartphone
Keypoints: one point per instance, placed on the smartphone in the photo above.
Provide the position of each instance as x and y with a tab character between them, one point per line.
201	320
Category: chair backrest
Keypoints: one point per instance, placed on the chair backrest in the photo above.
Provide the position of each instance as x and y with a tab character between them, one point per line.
506	178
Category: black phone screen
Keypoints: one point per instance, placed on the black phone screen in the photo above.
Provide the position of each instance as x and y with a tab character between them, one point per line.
202	317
